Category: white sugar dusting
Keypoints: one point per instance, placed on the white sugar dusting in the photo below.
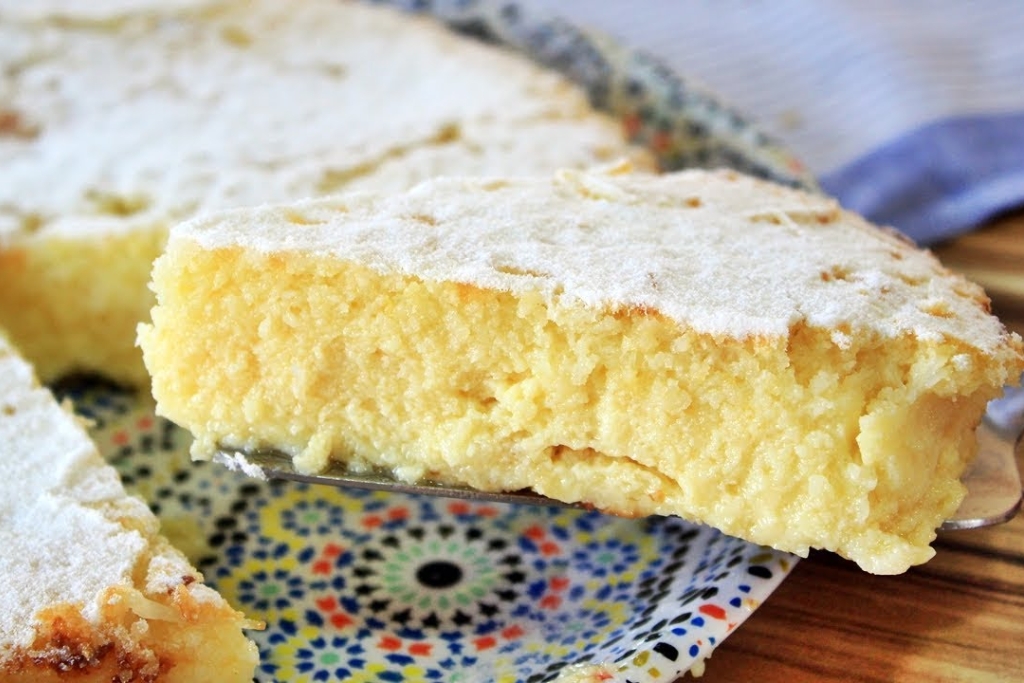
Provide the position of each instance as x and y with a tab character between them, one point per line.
718	252
237	462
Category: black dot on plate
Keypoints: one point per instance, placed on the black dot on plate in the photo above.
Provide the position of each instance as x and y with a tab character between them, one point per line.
681	618
249	490
667	651
760	572
439	574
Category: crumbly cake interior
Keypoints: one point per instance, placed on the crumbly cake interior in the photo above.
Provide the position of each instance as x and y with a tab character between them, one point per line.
91	591
120	118
434	334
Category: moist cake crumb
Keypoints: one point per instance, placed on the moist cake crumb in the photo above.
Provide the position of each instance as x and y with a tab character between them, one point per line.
597	337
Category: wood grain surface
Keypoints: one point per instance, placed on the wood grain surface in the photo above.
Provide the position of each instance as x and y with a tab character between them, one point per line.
959	617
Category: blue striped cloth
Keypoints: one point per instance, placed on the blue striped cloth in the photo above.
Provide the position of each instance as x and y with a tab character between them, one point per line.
911	112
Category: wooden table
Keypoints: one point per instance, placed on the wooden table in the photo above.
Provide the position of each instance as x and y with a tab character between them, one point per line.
960	617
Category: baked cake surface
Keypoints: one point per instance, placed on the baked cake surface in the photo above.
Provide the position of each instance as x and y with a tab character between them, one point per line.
118	118
91	591
700	343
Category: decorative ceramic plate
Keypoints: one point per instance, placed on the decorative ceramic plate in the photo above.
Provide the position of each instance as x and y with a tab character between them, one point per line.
362	586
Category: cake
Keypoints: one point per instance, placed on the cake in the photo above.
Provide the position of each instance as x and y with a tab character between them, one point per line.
91	591
700	343
119	118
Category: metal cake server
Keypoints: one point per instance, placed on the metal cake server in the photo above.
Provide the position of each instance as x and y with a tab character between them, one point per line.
993	481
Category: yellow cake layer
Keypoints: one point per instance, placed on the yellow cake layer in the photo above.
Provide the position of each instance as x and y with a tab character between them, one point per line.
851	439
119	119
628	412
74	300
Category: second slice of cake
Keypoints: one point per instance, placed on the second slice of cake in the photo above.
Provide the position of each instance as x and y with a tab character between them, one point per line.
701	344
90	592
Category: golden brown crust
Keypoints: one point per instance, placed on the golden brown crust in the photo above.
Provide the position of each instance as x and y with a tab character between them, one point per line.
69	648
125	648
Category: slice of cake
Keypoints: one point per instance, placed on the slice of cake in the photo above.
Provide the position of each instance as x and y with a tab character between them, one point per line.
701	344
91	591
120	118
